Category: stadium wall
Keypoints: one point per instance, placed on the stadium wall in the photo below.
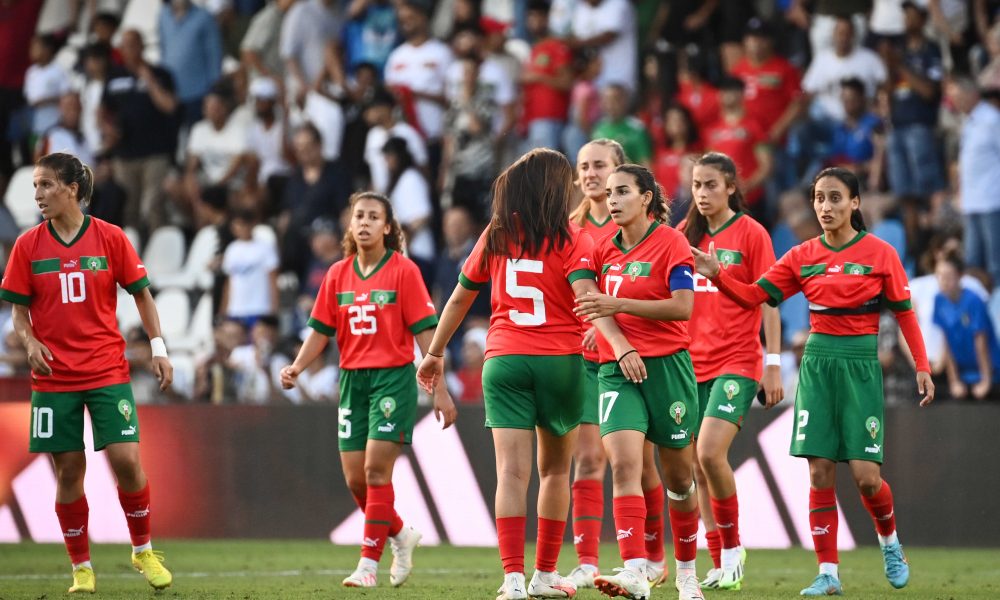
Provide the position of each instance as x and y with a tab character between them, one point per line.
274	472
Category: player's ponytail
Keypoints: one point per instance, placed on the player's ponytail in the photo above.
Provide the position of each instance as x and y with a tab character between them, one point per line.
696	224
69	170
853	184
393	240
582	211
658	210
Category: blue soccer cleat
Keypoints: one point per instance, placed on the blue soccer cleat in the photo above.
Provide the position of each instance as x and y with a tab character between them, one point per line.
824	585
897	571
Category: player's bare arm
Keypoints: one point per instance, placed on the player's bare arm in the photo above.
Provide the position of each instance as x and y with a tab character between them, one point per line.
311	348
628	358
444	407
431	370
38	353
162	368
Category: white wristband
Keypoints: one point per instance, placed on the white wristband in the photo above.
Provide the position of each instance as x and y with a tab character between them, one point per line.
773	360
158	347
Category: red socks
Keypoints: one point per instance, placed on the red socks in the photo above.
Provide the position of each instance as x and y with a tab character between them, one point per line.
136	507
510	535
630	521
73	522
550	537
714	547
823	520
396	524
727	520
880	508
588	514
684	526
378	518
654	523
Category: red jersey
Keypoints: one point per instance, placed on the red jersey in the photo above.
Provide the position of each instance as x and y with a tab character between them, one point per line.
532	296
373	324
702	101
542	101
725	337
738	141
843	285
667	165
71	293
660	263
769	88
598	232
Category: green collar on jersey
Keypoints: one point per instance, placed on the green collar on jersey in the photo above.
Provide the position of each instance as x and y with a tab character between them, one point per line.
591	218
731	220
79	234
855	240
381	263
617	238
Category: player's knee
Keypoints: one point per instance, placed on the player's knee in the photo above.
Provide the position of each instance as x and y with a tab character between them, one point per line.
590	463
821	476
680	493
377	476
626	471
868	485
712	463
70	476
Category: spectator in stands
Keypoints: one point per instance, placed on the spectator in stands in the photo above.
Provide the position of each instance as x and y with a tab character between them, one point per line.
191	49
830	67
96	62
584	103
251	268
672	160
795	224
383	119
324	244
145	386
772	93
260	49
215	380
694	91
17	26
492	83
979	156
66	135
268	149
254	363
360	89
609	27
972	355
411	203
102	31
620	126
471	372
317	383
13	356
370	34
308	46
989	76
44	83
857	142
141	133
547	79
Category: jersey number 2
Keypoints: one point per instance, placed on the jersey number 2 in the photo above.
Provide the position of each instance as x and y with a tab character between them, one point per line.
537	316
74	288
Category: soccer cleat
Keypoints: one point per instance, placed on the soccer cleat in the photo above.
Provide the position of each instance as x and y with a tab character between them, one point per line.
897	570
712	578
824	585
732	578
550	585
362	577
150	564
402	546
83	580
625	583
657	573
513	587
688	587
583	576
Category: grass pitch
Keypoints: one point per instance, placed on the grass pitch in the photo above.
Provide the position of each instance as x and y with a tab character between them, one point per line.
282	569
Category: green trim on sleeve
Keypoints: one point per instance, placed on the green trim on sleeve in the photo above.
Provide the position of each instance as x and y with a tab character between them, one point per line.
469	284
777	297
899	306
423	324
322	327
15	298
579	274
138	285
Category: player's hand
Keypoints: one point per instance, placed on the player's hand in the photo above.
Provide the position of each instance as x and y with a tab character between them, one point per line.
38	354
957	389
926	387
289	374
594	306
774	392
429	372
706	263
444	408
631	365
981	389
590	339
164	371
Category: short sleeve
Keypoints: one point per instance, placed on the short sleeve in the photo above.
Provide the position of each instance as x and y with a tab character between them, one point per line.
418	310
680	266
16	284
475	273
896	287
271	258
979	320
782	281
128	269
324	313
579	259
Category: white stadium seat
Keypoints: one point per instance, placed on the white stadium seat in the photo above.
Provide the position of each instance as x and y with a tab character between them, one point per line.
184	370
164	254
20	198
144	16
175	312
133	236
195	272
198	336
128	314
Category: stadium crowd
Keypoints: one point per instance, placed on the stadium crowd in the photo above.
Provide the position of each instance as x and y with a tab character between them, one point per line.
227	136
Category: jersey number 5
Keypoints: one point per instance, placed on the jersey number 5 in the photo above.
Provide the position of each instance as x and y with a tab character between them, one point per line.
74	288
362	319
537	316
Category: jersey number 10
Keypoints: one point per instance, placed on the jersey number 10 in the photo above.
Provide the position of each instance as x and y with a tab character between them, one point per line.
74	288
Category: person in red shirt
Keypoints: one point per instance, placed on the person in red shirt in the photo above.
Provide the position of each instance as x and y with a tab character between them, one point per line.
533	376
670	160
726	352
375	303
62	278
847	275
695	93
547	79
647	279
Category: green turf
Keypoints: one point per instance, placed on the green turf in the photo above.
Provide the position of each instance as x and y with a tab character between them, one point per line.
297	569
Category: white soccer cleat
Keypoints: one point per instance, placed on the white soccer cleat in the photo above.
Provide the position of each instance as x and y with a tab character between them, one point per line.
688	587
583	576
732	575
657	573
712	578
550	585
627	583
362	577
513	587
402	545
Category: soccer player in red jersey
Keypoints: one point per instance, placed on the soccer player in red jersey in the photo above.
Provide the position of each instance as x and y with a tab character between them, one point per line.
595	161
726	352
533	375
738	134
847	274
62	278
375	303
647	279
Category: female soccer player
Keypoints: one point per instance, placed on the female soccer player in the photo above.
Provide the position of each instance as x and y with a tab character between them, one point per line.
375	303
647	279
595	161
846	274
533	375
725	350
62	278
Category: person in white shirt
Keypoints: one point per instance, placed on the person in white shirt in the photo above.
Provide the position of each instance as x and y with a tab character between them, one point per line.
609	26
44	83
490	76
411	201
830	67
382	118
66	135
267	144
251	269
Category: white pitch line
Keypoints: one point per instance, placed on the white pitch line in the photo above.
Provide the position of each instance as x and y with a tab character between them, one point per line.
201	574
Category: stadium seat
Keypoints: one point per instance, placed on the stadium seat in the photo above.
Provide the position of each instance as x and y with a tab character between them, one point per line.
195	273
133	236
184	371
198	336
164	254
175	313
20	198
127	313
144	16
265	233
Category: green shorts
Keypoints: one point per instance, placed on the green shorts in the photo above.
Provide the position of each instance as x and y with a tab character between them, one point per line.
726	397
590	393
664	407
838	402
377	404
57	418
522	392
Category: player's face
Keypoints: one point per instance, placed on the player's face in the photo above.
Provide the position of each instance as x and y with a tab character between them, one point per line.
710	190
833	204
369	225
625	203
52	196
593	165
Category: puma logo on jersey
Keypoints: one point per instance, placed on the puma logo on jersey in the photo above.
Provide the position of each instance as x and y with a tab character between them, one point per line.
625	533
873	449
70	265
835	269
585	260
362	297
616	267
140	266
727	408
